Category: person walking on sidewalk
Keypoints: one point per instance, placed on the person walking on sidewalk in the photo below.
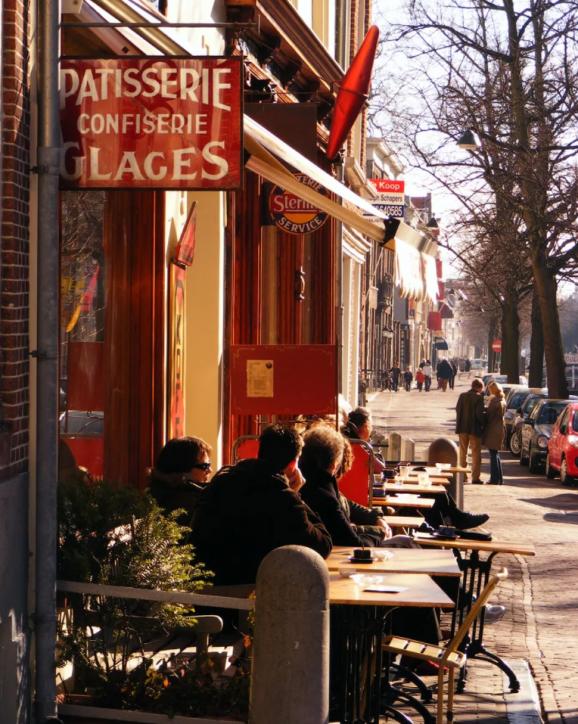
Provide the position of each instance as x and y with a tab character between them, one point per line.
470	418
493	437
419	378
407	379
455	374
395	374
427	371
444	373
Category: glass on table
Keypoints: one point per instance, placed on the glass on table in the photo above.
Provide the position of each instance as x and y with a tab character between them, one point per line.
423	478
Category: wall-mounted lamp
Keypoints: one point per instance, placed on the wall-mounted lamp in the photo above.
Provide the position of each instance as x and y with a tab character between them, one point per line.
469	141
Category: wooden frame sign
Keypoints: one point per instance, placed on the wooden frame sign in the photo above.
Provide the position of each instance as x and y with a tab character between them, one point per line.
156	123
284	379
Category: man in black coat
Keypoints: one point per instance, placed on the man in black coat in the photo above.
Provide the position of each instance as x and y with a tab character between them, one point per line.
253	507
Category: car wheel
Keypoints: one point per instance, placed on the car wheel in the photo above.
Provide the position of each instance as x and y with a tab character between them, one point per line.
550	472
565	479
534	463
515	444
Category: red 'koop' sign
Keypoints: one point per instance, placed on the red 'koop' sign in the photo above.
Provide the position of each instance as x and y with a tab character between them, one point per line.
165	123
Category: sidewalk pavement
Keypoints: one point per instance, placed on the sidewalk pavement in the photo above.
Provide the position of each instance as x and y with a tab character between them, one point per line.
537	635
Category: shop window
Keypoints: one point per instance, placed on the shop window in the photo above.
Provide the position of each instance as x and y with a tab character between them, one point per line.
111	332
82	333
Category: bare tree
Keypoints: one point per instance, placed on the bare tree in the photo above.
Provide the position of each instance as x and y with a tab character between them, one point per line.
510	74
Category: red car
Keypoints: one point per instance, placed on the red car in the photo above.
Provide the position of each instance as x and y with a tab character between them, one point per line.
563	446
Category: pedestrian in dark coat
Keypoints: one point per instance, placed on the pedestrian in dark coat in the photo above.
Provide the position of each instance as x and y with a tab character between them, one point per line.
444	373
470	420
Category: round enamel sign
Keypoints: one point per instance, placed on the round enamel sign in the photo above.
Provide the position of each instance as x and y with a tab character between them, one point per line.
294	214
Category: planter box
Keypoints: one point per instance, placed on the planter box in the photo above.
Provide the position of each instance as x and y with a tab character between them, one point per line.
81	714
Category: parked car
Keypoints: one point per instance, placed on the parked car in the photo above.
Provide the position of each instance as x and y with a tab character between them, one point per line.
502	380
524	411
515	398
562	454
537	430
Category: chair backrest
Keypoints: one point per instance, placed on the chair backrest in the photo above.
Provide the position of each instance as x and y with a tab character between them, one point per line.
244	447
357	483
474	612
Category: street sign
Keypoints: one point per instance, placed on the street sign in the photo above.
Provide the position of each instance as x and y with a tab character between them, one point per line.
497	345
390	196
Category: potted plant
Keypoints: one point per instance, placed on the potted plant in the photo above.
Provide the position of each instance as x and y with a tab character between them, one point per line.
116	536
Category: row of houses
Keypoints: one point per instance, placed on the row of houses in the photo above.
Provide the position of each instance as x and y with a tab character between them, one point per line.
155	286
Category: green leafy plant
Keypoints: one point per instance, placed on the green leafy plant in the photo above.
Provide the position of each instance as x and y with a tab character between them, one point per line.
118	536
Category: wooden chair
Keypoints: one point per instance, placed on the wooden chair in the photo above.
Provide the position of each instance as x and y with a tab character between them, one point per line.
357	483
447	657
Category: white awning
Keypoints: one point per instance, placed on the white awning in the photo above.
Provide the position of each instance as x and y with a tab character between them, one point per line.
431	286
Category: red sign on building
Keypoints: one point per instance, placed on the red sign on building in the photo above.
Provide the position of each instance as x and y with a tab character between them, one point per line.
165	123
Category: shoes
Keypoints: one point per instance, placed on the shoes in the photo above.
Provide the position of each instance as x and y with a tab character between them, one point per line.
494	612
463	520
426	528
478	482
497	482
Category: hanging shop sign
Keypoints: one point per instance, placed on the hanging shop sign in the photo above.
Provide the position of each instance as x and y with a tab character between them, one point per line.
390	196
163	123
292	213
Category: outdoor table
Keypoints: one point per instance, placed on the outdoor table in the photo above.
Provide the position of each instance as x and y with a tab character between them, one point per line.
398	560
413	488
358	620
405	501
475	574
434	479
403	521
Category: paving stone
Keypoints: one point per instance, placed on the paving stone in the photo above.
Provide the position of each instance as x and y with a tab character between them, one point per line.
541	595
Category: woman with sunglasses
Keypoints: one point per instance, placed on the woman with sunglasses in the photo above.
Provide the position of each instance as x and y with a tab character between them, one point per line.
182	470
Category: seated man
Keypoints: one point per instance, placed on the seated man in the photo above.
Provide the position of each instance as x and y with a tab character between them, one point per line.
182	470
253	507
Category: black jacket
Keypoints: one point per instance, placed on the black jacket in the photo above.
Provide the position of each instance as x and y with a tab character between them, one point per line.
470	413
246	512
321	493
175	491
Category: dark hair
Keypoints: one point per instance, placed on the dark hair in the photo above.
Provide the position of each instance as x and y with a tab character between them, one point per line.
323	447
359	417
279	445
180	454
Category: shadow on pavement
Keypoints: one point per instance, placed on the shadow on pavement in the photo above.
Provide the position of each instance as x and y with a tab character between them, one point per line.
570	518
564	501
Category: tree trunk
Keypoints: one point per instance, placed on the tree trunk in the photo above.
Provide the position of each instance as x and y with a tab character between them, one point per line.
492	331
509	362
536	346
553	349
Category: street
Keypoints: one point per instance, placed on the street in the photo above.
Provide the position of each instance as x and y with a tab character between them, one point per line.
540	595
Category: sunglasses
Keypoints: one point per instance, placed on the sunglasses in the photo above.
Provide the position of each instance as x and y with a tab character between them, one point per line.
202	466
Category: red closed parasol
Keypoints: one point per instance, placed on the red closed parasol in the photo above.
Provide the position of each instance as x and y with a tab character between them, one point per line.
353	92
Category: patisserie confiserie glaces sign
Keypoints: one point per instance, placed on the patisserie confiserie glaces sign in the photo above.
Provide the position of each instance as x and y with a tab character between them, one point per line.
164	123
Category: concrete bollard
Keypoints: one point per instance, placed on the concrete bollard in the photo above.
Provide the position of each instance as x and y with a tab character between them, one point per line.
444	450
407	449
290	675
394	449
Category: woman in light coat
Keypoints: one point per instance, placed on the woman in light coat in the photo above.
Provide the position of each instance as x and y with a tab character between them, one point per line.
493	436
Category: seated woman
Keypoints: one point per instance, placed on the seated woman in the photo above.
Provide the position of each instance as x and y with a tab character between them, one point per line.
181	472
321	461
359	426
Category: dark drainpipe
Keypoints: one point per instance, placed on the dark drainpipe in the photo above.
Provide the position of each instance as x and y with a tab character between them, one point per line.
47	358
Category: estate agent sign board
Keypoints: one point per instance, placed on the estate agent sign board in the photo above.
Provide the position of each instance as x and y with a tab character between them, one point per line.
164	123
